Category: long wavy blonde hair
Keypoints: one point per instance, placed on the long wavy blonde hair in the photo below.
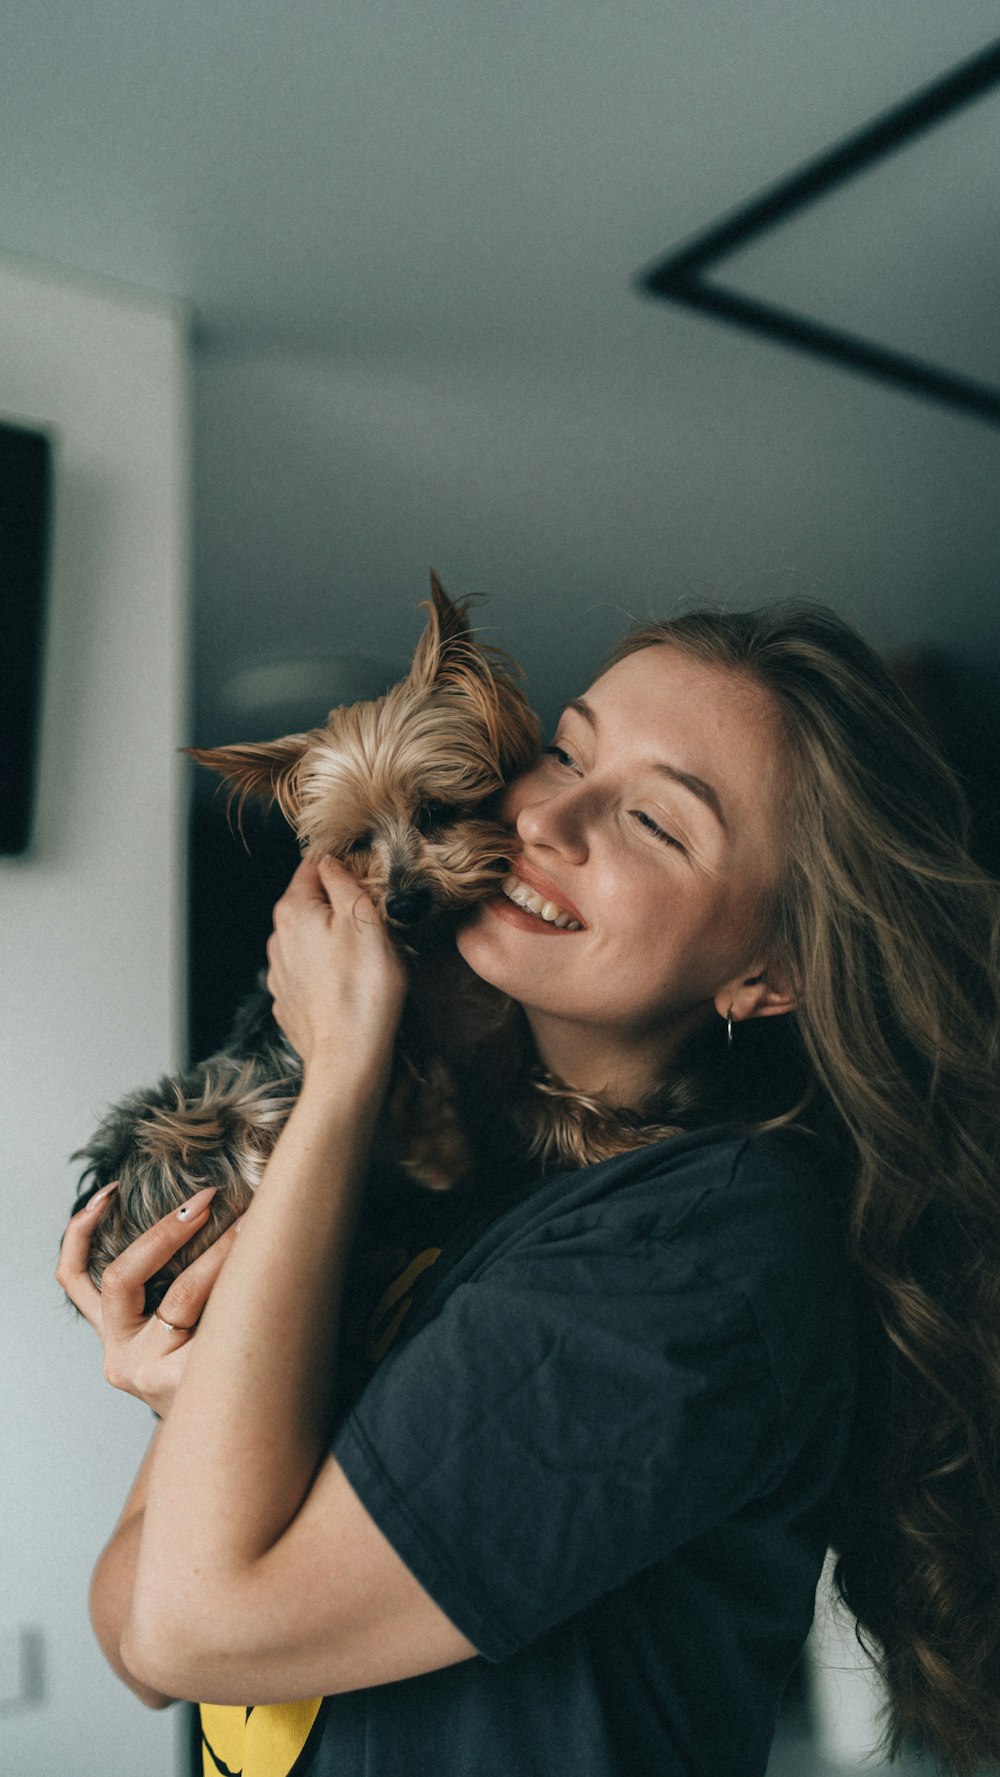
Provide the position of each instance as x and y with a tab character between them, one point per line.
892	936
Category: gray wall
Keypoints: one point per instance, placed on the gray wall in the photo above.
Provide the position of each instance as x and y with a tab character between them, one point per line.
678	459
93	924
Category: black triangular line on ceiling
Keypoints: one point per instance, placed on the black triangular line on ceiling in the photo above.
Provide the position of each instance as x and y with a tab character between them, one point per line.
679	277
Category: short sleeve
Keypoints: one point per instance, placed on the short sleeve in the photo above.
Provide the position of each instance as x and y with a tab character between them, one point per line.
583	1406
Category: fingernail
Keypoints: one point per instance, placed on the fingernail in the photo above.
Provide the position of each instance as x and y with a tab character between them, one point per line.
199	1201
100	1197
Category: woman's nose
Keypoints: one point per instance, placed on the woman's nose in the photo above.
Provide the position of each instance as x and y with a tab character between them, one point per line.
556	820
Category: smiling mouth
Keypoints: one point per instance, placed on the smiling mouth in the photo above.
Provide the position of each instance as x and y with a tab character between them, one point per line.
550	911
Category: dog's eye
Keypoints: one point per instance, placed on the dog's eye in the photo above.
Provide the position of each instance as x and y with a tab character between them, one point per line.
435	814
362	843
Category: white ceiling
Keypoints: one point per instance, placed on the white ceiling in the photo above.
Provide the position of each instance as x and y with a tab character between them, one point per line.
408	234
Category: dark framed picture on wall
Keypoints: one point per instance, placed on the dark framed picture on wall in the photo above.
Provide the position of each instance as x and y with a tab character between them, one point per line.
25	521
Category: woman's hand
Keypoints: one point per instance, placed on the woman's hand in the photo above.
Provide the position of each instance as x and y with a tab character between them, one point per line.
144	1354
337	980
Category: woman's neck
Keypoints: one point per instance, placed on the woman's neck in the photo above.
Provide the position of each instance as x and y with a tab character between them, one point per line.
624	1067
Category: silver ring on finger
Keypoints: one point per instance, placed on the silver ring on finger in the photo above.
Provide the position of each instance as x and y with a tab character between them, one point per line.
171	1325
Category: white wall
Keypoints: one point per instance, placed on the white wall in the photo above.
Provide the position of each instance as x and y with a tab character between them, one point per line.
92	920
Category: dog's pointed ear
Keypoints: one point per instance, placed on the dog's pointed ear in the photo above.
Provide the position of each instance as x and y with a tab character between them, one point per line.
446	646
266	769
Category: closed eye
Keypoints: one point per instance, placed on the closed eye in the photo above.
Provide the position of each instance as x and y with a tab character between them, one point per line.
648	821
561	754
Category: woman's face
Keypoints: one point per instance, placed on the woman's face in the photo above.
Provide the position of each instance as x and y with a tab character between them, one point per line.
653	822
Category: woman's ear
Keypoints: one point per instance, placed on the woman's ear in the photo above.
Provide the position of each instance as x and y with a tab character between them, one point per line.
765	993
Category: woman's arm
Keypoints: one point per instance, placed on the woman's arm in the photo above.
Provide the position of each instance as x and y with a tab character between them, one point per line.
260	1575
113	1578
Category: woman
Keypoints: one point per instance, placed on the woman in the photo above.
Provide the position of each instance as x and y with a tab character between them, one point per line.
610	1444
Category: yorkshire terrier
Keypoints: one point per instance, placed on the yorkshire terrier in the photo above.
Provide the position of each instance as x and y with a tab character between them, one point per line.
403	790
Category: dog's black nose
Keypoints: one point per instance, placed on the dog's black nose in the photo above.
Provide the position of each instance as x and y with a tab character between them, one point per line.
407	907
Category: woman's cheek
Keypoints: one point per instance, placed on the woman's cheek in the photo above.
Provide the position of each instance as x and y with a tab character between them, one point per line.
509	806
520	791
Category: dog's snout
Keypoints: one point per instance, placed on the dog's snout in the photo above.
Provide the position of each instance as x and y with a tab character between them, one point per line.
408	906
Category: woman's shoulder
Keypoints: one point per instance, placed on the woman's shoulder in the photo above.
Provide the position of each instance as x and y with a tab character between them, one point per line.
768	1201
724	1215
722	1196
715	1167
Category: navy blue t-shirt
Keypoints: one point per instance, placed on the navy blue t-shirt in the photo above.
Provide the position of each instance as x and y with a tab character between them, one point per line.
605	1443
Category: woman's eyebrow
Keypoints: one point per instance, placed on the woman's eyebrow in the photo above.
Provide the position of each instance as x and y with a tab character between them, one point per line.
687	779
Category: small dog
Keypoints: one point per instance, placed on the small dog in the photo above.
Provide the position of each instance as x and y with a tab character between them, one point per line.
402	790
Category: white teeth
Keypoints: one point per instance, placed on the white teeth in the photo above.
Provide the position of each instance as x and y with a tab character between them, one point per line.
522	896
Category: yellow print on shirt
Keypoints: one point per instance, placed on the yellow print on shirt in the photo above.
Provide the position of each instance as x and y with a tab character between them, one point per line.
265	1740
382	1332
268	1740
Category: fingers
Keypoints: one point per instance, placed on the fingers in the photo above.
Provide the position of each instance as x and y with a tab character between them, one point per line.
72	1271
317	890
342	889
184	1302
333	871
320	880
123	1286
306	886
